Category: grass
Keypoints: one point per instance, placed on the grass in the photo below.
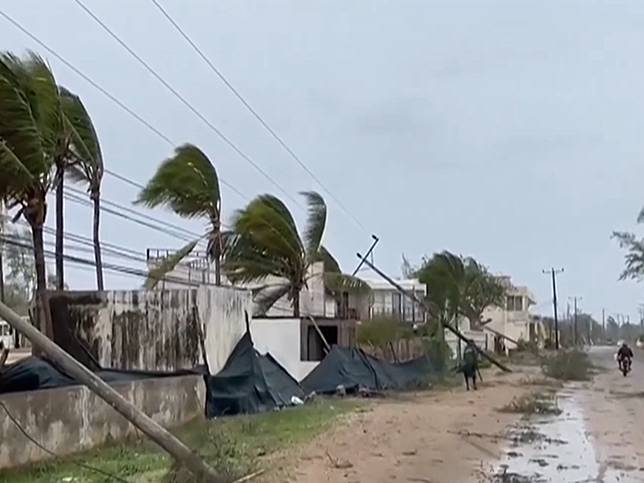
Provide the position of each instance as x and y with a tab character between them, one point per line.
568	365
234	446
541	402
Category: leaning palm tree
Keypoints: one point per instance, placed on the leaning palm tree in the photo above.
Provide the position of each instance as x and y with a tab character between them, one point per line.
83	161
266	243
188	184
30	125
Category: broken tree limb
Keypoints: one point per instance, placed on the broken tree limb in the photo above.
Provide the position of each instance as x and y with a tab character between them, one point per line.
421	303
177	449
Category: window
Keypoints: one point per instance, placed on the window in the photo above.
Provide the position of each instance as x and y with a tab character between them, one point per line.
514	303
314	348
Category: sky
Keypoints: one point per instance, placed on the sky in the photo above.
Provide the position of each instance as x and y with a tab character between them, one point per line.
509	131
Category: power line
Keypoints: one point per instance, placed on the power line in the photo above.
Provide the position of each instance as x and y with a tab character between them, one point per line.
257	116
107	266
111	97
185	102
138	213
77	199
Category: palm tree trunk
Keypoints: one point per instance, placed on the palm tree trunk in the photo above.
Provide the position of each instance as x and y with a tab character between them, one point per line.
218	270
60	221
42	301
96	198
296	303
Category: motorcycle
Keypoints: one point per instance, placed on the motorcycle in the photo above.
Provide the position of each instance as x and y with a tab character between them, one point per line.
625	365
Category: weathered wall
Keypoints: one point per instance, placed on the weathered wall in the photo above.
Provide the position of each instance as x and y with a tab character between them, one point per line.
69	420
281	337
152	329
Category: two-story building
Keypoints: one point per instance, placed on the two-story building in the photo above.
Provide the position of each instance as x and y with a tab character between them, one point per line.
513	319
386	301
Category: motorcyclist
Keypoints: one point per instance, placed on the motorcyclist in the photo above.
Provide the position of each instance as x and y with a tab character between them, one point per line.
624	353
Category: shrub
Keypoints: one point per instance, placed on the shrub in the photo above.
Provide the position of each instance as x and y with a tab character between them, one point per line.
568	365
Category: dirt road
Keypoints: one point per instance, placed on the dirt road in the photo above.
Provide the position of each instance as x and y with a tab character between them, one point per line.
416	439
596	438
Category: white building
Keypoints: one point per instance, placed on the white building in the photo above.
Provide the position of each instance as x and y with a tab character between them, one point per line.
513	320
385	300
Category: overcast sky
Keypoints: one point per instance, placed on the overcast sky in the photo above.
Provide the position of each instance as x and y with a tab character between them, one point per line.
510	131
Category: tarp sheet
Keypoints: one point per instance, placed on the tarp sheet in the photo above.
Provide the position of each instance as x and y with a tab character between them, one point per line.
33	373
249	383
354	370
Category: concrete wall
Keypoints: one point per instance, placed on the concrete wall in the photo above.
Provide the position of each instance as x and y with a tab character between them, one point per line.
68	420
281	337
152	329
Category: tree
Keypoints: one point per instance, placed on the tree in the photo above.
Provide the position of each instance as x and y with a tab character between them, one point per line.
406	268
188	184
83	161
480	291
30	127
266	243
459	286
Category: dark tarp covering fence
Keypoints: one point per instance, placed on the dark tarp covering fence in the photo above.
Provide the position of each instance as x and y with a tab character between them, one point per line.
249	383
354	370
33	373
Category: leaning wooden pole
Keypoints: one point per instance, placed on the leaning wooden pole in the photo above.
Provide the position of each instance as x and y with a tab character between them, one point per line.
421	303
178	450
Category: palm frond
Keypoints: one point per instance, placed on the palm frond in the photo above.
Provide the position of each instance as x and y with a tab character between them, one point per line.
342	282
187	183
267	296
331	265
22	156
315	224
84	143
48	109
269	225
634	259
167	265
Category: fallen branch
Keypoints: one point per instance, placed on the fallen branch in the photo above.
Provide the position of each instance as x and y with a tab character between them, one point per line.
250	477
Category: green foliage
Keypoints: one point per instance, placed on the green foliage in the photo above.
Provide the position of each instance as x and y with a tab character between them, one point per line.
458	286
30	128
568	365
266	243
167	265
381	331
187	183
439	353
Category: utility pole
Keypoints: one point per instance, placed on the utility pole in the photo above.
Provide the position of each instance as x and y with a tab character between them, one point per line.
369	252
576	335
554	273
604	324
182	454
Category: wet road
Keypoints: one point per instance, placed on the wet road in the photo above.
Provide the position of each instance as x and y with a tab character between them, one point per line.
597	437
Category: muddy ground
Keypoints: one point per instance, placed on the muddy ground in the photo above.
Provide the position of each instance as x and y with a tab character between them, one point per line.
458	436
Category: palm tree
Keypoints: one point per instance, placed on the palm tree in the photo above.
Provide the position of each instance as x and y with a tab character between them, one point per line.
459	286
188	184
30	127
83	162
266	243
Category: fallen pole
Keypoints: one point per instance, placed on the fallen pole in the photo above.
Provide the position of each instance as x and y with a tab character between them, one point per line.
177	449
421	303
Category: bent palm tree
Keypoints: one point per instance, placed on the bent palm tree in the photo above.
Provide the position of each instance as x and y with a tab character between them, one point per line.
188	184
266	243
30	126
84	163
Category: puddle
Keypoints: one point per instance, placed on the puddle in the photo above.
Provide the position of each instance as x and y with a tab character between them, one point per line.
551	449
